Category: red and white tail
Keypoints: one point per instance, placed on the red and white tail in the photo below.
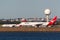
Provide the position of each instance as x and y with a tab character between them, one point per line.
23	20
52	21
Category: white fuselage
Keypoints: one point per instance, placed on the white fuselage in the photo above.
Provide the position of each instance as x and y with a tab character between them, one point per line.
32	23
8	25
25	24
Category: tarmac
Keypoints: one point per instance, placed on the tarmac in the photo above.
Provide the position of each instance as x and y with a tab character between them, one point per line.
30	29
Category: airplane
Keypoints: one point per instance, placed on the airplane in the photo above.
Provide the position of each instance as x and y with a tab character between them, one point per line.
38	24
33	24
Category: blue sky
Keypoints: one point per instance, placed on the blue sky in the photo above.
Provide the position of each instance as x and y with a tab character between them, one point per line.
28	8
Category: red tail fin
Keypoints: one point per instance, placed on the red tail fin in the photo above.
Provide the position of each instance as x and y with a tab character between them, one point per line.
23	20
54	18
52	21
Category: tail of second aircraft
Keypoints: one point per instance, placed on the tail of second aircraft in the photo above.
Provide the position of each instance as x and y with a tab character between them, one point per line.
52	21
23	20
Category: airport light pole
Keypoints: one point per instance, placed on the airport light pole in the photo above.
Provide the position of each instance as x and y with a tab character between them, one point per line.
47	13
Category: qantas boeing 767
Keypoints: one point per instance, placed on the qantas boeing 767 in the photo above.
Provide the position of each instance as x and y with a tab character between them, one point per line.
33	24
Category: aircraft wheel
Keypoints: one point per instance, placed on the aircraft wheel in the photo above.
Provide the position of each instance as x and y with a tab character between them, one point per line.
38	25
13	26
